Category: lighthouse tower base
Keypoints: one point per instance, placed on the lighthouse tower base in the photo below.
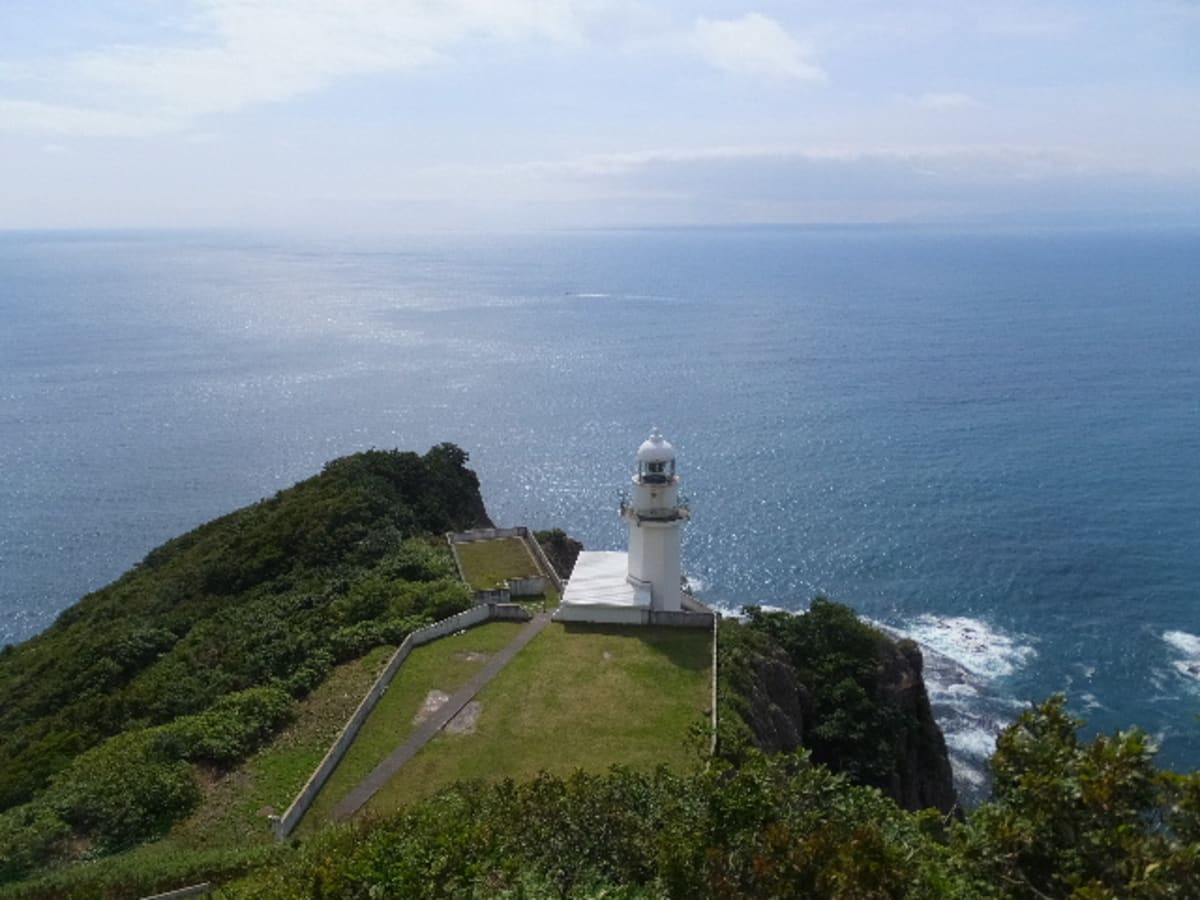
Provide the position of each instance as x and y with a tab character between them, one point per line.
600	591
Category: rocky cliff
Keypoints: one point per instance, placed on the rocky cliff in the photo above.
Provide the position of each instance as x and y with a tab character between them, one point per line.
922	777
850	695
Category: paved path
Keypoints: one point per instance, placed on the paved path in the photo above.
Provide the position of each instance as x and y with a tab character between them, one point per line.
367	788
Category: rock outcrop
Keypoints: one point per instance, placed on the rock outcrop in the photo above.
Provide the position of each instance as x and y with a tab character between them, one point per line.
776	704
850	695
922	777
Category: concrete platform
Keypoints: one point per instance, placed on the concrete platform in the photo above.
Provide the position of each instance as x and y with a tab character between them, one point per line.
600	591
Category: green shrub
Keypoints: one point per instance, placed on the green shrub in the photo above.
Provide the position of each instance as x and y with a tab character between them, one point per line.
1074	818
31	836
125	790
773	828
420	559
230	729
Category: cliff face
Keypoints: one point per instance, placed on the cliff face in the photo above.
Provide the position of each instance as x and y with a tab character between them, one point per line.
777	705
850	695
922	777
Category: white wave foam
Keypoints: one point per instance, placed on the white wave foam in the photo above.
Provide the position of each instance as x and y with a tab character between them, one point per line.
592	296
970	776
1187	649
960	691
730	612
976	646
974	743
1185	643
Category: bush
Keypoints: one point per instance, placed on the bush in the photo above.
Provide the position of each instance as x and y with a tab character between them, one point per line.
1071	818
124	791
774	828
30	837
420	559
231	729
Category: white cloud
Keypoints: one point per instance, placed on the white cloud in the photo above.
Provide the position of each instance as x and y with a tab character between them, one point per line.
843	183
1013	159
23	116
243	52
754	45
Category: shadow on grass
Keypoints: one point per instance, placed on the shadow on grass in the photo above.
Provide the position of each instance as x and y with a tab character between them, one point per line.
686	648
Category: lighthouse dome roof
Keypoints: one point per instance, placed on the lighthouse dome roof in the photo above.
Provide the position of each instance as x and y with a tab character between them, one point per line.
655	448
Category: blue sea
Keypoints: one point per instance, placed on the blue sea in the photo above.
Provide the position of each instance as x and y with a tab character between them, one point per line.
986	439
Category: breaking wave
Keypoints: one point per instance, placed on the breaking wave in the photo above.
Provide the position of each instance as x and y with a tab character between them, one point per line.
964	658
976	646
1186	649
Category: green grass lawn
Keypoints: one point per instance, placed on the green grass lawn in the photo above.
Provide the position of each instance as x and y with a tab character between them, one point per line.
487	565
577	697
445	665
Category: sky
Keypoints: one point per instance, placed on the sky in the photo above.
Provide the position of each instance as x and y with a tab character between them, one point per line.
414	115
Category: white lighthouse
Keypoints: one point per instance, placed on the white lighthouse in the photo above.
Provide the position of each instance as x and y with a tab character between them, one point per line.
642	586
655	518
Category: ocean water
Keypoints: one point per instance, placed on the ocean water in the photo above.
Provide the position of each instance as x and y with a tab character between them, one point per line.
988	440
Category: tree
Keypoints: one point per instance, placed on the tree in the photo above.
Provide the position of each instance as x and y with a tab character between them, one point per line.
1071	818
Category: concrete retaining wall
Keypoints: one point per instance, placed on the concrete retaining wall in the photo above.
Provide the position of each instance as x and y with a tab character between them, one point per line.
500	595
680	619
526	587
285	824
540	556
510	612
632	615
488	534
688	602
601	615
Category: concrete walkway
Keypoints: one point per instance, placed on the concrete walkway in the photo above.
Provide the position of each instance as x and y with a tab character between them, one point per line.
366	789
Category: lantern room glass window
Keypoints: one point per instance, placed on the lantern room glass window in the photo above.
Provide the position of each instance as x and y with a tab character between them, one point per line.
658	472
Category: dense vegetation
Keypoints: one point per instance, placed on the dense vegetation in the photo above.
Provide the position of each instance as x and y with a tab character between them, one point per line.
561	550
1068	819
195	656
831	683
772	828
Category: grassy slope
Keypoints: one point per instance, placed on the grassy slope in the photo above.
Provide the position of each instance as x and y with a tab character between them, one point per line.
487	565
582	697
443	665
229	830
235	808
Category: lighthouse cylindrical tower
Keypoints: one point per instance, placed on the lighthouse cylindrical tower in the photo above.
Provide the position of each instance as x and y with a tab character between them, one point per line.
655	516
